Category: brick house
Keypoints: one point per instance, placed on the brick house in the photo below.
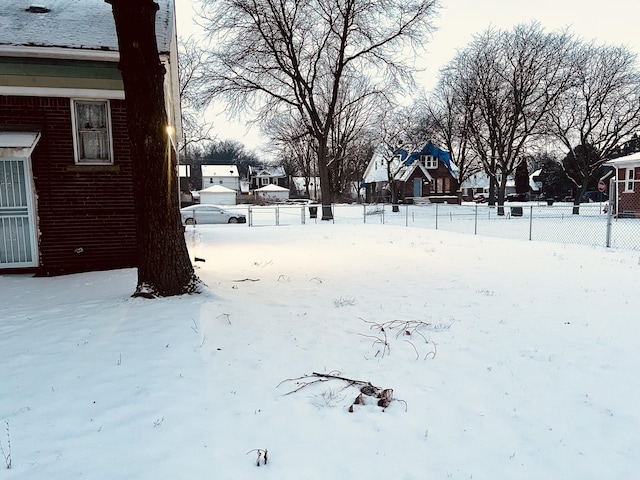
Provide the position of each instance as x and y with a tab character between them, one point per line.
423	175
627	185
66	187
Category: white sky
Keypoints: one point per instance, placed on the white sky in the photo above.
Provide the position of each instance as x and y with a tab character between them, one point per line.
459	20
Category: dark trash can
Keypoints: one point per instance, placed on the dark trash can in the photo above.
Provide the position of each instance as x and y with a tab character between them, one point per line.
516	211
549	201
313	211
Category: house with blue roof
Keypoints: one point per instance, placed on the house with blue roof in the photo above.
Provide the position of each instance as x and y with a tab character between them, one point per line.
425	175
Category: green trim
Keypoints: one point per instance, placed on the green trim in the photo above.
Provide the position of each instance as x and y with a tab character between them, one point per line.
48	73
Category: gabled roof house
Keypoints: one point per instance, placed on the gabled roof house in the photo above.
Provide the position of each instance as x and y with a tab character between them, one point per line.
426	173
66	189
262	176
224	175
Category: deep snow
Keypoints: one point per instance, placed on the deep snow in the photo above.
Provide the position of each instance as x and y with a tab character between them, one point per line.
523	366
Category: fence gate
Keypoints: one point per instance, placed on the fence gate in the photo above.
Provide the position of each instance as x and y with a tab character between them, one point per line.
17	226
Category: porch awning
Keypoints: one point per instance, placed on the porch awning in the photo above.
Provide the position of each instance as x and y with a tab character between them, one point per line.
17	144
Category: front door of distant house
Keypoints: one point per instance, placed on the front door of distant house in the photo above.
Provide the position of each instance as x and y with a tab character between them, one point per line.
417	187
17	226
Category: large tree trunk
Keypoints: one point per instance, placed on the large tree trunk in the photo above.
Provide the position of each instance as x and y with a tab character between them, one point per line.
326	190
164	267
502	187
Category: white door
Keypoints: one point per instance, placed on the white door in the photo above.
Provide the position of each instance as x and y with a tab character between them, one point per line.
17	226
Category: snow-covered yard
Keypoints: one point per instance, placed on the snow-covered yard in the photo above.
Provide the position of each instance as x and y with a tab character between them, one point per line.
511	360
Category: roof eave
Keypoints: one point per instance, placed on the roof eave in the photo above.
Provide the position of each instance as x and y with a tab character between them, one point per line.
62	53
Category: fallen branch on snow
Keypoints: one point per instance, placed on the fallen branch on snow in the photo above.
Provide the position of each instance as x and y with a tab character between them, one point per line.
369	393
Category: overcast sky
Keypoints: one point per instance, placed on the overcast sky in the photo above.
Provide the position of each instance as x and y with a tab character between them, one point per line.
613	22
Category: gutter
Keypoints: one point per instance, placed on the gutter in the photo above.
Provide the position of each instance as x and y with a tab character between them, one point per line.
64	53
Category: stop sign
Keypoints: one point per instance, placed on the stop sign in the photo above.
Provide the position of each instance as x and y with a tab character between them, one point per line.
601	186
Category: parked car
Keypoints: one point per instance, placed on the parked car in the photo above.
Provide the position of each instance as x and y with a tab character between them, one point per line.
594	196
479	198
203	214
516	197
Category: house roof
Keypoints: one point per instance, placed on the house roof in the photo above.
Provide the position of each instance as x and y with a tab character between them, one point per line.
430	148
217	189
377	169
220	171
621	162
271	188
72	24
407	170
271	171
401	160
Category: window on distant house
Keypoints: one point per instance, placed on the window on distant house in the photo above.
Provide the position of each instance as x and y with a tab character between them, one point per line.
91	122
630	178
264	181
430	161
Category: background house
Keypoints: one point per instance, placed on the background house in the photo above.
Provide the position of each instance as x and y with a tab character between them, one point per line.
225	175
271	194
66	187
422	174
263	176
218	195
627	186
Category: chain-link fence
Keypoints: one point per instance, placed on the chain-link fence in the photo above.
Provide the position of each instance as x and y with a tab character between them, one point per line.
595	224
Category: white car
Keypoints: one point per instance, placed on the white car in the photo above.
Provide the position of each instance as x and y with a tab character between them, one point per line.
209	214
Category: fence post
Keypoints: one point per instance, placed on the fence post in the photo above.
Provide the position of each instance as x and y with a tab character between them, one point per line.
250	215
364	213
436	216
612	193
303	217
475	221
530	222
406	217
277	216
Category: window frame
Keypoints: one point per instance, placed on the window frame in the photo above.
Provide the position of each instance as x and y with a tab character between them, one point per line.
76	133
430	162
629	181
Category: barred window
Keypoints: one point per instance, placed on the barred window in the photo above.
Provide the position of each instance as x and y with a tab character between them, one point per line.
92	132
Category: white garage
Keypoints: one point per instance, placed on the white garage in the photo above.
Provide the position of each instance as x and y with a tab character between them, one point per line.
218	195
271	194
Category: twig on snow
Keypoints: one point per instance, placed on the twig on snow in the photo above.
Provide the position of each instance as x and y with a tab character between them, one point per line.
262	455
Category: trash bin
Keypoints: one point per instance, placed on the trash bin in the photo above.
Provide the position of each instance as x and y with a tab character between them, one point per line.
516	211
549	201
313	211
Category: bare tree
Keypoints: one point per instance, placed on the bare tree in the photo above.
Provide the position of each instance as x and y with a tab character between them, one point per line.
598	113
396	129
191	62
350	141
511	81
164	267
284	56
446	119
293	145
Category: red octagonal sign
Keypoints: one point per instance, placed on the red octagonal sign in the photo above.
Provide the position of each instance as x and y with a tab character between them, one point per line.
601	186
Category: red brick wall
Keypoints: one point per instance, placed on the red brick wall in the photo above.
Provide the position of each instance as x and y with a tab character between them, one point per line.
406	189
84	213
